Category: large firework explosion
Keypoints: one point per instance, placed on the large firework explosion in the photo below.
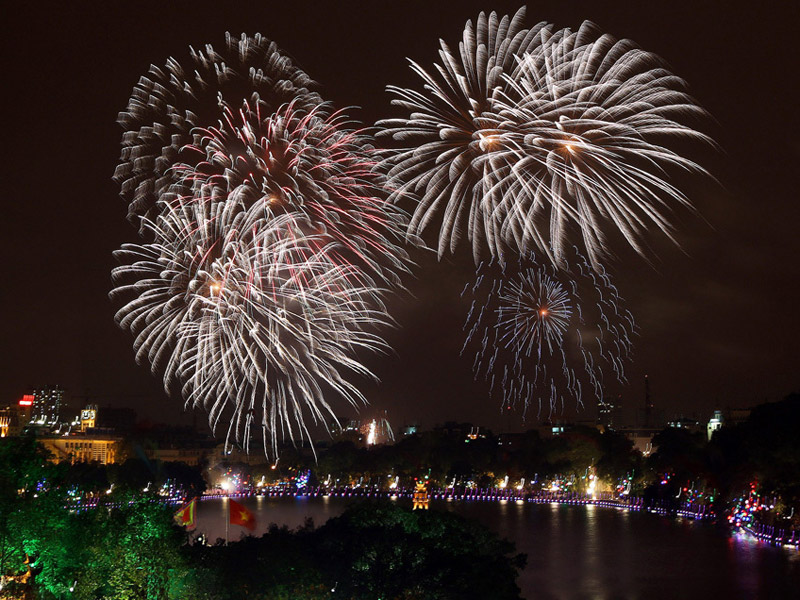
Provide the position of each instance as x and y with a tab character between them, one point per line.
526	139
268	246
544	335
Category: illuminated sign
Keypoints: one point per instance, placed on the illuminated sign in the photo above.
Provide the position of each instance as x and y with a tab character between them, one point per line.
27	400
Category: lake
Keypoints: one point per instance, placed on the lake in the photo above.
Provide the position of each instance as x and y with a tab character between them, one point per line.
584	552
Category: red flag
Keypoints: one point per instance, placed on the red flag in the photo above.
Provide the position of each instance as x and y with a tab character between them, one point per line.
241	516
186	514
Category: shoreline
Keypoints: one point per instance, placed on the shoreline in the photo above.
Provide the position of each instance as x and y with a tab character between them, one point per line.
773	536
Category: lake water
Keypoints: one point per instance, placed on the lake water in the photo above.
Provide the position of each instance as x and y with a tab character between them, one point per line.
585	552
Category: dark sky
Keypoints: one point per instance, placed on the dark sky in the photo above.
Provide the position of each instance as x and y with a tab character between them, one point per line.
718	321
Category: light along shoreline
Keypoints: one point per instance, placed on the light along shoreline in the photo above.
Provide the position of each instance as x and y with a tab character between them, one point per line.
788	538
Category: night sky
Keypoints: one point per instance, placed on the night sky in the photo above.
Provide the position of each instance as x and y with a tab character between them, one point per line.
718	322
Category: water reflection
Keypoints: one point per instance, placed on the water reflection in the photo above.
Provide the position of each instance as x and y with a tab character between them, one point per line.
591	553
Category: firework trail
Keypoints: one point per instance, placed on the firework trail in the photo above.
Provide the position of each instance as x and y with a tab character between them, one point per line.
529	138
546	334
268	247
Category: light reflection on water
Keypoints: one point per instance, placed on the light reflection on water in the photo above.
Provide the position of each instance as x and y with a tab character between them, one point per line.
576	552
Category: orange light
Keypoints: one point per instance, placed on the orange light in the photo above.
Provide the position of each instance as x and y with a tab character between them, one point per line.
543	312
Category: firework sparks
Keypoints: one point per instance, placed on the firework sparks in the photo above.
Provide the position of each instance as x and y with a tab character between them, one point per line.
526	137
539	333
172	104
252	330
269	247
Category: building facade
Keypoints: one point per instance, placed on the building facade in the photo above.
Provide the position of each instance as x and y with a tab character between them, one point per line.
84	447
47	403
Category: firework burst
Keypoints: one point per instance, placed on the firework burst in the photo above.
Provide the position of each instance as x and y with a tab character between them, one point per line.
546	335
529	138
254	330
268	246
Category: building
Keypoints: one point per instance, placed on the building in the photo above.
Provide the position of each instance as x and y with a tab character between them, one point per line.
193	456
171	444
223	454
685	423
607	409
408	430
47	404
94	446
642	438
15	418
452	428
88	417
714	423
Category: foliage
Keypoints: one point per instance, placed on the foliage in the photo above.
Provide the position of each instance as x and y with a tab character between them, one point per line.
384	551
373	550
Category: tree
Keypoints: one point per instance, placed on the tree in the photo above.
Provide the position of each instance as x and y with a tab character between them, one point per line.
384	551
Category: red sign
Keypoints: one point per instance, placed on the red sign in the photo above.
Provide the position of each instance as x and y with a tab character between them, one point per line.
27	400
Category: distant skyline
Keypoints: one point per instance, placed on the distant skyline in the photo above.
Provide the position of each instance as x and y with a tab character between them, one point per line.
718	321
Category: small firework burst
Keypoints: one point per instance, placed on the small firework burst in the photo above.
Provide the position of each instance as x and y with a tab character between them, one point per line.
542	335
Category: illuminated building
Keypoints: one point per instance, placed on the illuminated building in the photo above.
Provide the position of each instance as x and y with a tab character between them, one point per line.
100	448
421	498
714	423
47	403
409	430
685	423
606	409
88	417
15	417
641	437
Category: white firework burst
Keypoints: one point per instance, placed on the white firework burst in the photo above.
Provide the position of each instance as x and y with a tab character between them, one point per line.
542	334
257	330
528	149
450	137
268	241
